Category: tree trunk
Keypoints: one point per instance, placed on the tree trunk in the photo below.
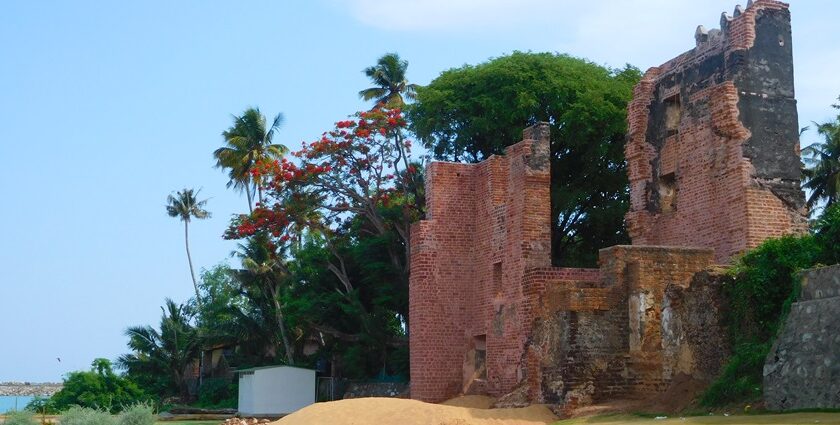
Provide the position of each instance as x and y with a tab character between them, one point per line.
189	260
250	198
282	324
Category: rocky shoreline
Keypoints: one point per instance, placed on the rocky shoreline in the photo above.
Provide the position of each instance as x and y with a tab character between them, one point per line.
43	389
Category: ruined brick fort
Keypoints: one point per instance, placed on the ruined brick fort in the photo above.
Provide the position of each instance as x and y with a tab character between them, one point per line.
713	159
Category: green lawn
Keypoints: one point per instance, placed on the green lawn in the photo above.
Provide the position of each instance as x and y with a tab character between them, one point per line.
789	418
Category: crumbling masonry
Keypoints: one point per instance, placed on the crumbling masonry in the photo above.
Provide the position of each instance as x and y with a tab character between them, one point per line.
714	169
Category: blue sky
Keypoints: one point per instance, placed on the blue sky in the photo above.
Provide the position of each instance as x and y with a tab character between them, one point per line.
107	107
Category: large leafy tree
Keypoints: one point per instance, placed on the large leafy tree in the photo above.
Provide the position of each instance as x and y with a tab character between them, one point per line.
160	359
247	142
472	112
391	87
822	175
353	176
186	206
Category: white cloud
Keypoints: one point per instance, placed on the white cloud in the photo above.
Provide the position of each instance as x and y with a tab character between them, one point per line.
614	31
450	15
642	32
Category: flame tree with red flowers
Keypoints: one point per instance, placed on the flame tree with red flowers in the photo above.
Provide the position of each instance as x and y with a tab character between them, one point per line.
358	175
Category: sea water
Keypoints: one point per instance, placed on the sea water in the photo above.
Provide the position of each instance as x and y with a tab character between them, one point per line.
12	402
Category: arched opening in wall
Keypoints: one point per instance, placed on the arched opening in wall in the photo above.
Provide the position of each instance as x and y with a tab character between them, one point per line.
480	357
667	193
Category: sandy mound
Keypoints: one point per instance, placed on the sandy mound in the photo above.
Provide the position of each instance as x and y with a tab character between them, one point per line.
392	411
471	401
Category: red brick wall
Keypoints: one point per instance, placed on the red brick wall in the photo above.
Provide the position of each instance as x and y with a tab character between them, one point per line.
720	201
480	264
488	225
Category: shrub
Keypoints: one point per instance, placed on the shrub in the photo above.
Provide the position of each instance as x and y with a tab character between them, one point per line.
20	417
99	388
764	286
138	414
78	415
218	394
42	405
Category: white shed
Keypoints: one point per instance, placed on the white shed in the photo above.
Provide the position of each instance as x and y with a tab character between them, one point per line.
275	390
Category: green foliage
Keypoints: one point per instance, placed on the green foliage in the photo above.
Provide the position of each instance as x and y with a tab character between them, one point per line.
138	414
99	388
822	174
78	415
42	405
218	393
20	417
366	334
248	141
764	286
741	377
390	83
472	112
827	234
160	358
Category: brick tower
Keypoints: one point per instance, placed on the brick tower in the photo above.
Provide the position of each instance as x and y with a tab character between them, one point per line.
713	144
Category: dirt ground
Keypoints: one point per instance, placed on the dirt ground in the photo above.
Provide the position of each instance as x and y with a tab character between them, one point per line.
474	410
787	419
391	411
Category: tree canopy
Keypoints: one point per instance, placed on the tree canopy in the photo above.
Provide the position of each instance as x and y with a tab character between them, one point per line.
472	112
822	175
390	83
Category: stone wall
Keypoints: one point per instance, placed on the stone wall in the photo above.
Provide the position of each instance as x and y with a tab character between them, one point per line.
645	319
802	370
713	145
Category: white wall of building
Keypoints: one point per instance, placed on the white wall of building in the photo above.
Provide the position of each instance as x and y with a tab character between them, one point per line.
275	390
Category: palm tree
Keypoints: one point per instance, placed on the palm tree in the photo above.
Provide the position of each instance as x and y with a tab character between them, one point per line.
262	279
166	353
247	143
185	205
388	75
822	175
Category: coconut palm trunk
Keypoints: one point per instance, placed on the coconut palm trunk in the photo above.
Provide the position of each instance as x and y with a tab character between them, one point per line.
189	260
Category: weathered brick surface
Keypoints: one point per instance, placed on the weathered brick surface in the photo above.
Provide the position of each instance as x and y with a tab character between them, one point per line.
488	224
713	164
713	147
603	339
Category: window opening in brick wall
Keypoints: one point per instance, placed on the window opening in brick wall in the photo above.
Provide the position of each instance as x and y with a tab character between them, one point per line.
497	277
480	360
673	113
667	193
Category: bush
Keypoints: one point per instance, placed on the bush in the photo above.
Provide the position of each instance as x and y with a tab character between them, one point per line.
764	286
42	405
78	415
99	388
20	417
138	414
218	394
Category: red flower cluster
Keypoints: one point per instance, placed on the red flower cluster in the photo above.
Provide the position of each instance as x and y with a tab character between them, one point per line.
355	156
